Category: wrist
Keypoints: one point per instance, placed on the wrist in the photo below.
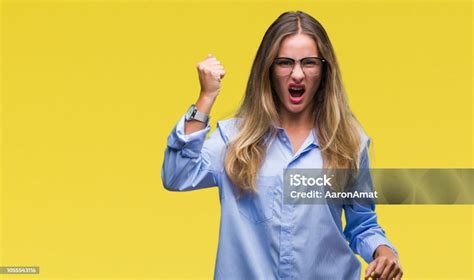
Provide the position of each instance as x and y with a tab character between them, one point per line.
193	114
205	103
382	249
211	95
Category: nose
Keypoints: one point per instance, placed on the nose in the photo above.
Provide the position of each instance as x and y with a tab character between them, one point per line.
297	73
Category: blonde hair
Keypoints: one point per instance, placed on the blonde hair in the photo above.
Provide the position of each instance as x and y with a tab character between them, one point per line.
337	128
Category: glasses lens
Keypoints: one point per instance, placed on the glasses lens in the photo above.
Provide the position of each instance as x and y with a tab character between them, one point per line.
283	66
310	65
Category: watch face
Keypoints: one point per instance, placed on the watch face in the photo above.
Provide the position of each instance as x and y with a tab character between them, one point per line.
190	112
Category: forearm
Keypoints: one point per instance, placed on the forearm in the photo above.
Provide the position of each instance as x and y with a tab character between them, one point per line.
203	104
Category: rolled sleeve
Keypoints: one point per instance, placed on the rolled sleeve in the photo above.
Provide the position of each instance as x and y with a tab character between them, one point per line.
191	161
189	144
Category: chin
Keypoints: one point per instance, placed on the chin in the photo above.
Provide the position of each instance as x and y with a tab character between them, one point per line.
295	108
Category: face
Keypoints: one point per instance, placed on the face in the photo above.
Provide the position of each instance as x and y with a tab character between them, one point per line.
292	102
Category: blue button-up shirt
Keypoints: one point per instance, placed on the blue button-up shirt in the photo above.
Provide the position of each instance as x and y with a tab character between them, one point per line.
260	236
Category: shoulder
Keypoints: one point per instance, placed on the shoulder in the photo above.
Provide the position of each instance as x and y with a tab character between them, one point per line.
228	128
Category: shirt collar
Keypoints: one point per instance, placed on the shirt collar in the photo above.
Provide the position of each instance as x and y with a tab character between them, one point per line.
312	137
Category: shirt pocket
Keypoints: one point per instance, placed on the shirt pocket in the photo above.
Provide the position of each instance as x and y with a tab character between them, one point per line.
259	207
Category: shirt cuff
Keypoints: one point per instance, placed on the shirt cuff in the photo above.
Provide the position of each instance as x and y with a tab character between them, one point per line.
190	144
370	244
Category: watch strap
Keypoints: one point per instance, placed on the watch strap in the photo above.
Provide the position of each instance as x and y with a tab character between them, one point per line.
200	116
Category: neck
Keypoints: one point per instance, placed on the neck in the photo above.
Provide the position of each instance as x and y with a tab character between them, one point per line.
299	121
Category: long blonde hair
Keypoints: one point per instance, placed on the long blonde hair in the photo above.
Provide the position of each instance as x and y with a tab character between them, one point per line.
336	126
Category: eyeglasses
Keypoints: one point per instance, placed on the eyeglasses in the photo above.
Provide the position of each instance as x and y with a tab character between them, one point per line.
311	66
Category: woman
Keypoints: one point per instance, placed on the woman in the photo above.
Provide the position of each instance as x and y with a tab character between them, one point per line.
294	115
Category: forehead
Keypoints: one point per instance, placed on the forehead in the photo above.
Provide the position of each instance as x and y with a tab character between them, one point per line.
298	46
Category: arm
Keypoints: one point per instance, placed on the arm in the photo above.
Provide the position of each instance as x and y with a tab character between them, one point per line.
362	230
192	162
367	238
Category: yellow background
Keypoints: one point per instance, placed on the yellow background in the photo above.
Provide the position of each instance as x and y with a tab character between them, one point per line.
91	90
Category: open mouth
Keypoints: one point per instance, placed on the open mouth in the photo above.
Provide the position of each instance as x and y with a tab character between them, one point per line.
296	93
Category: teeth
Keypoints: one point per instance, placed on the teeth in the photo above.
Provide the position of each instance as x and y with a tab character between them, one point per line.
296	88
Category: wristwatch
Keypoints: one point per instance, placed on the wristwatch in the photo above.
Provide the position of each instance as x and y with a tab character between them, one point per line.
194	114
